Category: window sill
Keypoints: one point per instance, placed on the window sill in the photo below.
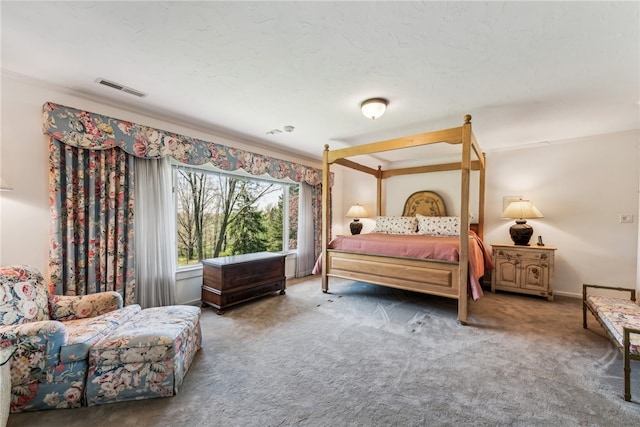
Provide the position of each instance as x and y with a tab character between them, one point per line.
189	271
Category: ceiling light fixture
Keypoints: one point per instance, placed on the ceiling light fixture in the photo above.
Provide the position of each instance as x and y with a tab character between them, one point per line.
374	107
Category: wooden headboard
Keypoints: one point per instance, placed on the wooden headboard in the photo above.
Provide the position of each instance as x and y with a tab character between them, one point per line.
427	203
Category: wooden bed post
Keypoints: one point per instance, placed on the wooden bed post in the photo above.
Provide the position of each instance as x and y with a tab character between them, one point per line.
379	203
482	185
325	216
465	169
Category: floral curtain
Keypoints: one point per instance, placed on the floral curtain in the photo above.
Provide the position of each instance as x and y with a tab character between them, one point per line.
95	132
91	201
316	208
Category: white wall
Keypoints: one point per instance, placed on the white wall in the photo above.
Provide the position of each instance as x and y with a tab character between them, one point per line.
356	187
581	186
24	212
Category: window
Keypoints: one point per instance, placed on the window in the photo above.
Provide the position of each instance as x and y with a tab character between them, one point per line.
221	213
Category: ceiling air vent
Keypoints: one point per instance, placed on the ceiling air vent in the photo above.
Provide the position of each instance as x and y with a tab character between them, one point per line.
120	87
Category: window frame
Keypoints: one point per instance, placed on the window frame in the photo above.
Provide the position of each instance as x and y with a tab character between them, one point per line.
285	183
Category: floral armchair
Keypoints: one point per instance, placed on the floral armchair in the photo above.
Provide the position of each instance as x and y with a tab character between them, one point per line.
53	335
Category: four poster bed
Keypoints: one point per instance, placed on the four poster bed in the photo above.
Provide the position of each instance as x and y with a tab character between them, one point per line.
460	259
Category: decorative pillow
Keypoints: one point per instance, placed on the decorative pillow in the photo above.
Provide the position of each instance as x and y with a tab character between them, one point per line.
438	225
23	295
396	225
66	307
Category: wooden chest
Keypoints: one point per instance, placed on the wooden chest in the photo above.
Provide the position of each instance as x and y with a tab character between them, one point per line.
234	279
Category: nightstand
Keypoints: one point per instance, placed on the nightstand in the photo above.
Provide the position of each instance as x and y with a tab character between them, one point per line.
523	269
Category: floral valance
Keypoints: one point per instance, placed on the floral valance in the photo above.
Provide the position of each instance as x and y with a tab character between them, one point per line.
98	132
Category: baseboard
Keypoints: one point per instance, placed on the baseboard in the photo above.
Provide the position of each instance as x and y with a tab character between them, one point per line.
567	294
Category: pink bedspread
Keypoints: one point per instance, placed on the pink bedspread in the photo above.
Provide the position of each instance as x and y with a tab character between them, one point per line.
418	246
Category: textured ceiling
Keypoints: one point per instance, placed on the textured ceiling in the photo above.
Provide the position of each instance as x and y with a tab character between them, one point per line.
528	72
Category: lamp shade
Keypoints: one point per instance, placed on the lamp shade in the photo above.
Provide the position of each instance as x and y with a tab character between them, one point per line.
357	211
374	107
521	209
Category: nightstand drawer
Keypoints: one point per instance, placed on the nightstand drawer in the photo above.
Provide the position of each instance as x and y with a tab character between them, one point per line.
518	254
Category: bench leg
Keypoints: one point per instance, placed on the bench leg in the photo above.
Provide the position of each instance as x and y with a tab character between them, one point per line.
584	306
627	366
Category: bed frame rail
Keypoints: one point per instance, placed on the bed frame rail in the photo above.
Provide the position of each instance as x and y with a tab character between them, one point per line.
426	276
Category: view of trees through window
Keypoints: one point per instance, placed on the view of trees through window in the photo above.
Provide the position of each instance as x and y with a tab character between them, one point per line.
222	214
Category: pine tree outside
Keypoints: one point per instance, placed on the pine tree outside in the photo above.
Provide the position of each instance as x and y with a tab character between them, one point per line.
221	214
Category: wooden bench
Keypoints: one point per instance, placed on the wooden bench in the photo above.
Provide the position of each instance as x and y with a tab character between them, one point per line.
620	318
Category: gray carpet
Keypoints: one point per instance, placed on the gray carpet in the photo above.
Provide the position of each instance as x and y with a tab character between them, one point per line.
365	355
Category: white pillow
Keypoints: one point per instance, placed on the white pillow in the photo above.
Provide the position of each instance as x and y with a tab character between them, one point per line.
438	225
396	225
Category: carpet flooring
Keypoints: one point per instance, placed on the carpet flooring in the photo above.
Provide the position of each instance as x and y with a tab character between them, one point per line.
365	355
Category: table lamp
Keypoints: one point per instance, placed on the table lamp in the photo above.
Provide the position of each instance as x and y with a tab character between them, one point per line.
520	210
356	212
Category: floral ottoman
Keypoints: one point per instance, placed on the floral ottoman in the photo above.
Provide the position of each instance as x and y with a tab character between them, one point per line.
145	357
